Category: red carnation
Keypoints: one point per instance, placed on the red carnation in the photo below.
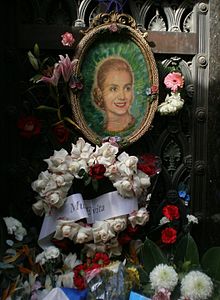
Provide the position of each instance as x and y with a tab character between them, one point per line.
79	276
169	235
171	212
97	171
79	282
102	259
29	126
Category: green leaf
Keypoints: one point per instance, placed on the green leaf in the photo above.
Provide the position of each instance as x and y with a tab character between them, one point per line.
36	78
48	108
210	262
187	254
36	50
150	255
71	122
143	275
33	60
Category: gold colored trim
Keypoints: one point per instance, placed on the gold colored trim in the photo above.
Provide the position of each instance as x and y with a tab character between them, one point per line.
102	22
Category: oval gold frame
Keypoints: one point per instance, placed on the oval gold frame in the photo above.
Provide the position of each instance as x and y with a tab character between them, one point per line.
127	26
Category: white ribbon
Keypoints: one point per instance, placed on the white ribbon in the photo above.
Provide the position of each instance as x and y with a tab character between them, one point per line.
73	209
106	206
109	205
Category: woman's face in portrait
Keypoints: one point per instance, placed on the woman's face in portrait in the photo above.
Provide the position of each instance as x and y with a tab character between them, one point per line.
117	92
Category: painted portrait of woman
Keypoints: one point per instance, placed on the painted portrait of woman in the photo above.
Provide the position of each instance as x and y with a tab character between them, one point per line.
115	98
113	93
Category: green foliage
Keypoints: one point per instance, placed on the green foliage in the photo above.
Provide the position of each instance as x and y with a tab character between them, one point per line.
186	254
210	262
33	60
151	255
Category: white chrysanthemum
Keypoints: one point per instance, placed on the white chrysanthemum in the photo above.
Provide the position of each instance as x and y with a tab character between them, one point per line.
163	276
196	286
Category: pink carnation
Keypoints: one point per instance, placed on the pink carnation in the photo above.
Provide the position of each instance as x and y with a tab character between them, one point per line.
67	39
174	81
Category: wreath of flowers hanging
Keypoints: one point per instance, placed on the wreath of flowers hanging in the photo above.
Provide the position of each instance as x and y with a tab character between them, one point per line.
88	163
100	268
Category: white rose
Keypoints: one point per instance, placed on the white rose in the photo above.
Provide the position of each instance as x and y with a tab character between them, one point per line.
127	165
55	199
139	217
124	188
142	216
66	228
51	252
84	235
118	224
66	231
38	208
40	184
102	232
81	150
74	167
105	154
56	163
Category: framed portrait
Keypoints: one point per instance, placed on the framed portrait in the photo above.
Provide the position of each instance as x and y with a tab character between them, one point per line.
119	77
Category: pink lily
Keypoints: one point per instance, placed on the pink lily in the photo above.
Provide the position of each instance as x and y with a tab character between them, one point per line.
55	76
67	66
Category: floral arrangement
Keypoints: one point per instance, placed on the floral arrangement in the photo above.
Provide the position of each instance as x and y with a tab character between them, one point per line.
154	274
173	102
88	163
124	255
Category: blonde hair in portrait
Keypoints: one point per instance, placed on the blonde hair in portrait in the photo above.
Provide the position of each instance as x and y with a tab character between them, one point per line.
113	92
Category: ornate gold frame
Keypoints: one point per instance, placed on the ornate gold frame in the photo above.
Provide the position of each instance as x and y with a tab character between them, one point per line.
127	26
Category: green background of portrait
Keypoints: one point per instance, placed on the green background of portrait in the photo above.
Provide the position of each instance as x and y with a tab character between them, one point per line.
107	46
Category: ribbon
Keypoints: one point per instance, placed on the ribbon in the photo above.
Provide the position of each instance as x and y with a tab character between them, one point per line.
106	206
73	209
118	5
